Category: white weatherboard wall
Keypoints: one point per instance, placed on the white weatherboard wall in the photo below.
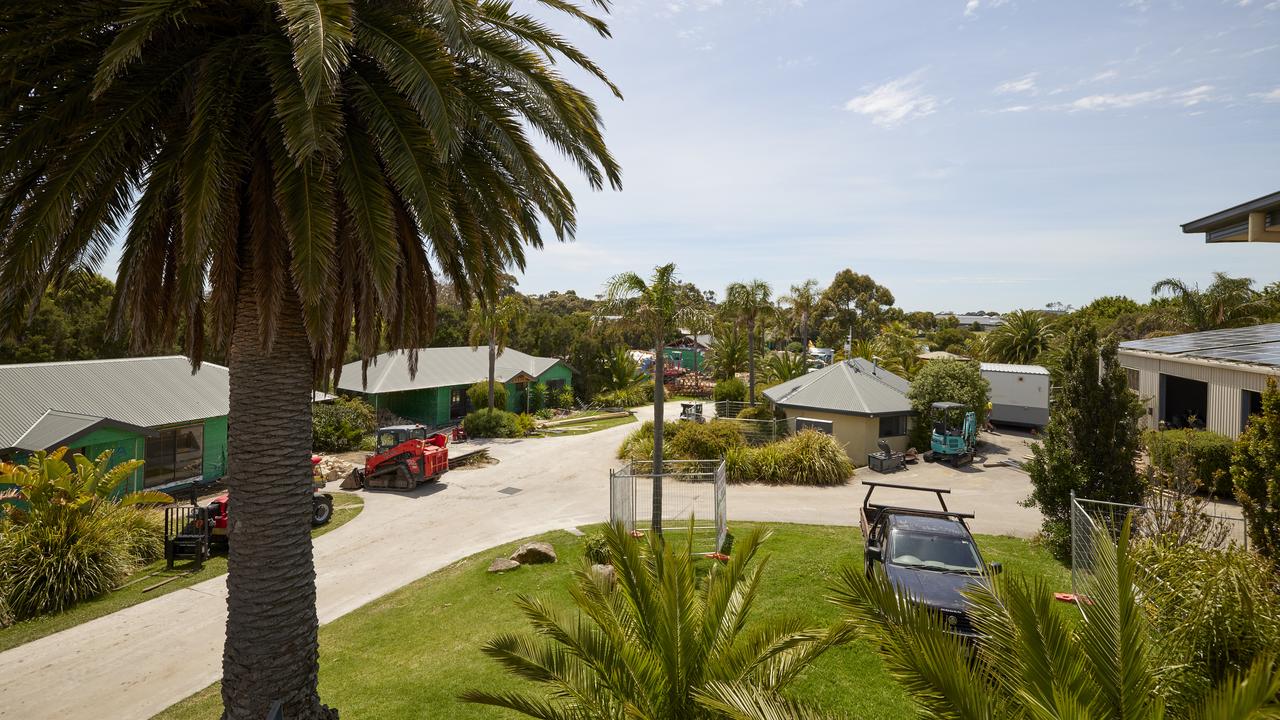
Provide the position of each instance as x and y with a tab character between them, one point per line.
1019	393
1227	383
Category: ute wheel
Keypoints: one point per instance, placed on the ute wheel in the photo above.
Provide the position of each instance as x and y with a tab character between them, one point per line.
321	510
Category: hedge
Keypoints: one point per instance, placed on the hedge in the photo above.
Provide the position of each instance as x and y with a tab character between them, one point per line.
478	394
485	423
1208	452
731	389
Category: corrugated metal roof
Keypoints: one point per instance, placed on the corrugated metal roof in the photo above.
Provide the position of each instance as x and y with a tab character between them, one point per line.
851	387
56	428
138	391
440	367
1011	368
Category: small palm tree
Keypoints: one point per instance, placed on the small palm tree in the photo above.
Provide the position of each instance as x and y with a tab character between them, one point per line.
1227	303
46	484
728	356
621	371
801	303
783	366
750	302
659	306
490	322
1022	339
897	348
665	643
1032	662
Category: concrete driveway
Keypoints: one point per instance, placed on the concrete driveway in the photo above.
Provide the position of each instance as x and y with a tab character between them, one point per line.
136	662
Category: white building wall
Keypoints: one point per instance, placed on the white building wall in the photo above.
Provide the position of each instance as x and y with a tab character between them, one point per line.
1226	382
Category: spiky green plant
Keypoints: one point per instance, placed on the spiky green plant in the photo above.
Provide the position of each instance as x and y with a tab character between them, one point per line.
1024	336
621	371
670	641
783	366
1034	662
46	485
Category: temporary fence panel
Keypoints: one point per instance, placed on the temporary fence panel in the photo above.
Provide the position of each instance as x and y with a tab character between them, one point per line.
691	490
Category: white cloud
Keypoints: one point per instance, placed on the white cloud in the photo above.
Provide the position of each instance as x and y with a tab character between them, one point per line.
1104	75
1114	101
1194	96
1025	84
1014	109
894	102
971	7
1271	96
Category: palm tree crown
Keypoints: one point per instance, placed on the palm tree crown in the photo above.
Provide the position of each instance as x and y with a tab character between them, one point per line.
1227	303
490	323
1022	339
749	302
800	303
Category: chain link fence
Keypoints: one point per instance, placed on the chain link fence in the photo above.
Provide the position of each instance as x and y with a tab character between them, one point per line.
757	432
691	490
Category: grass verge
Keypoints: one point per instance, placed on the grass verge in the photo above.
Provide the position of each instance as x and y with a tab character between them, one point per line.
410	653
587	426
345	507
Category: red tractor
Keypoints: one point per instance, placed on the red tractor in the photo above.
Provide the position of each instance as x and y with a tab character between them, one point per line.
406	456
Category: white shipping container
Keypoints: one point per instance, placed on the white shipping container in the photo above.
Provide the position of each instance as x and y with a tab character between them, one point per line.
1019	393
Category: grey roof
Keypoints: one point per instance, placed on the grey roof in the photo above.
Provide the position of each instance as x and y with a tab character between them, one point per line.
850	387
1253	345
440	367
1232	224
141	392
56	428
1011	368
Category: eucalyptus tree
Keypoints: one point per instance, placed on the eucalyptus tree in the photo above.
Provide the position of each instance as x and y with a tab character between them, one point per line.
749	302
659	306
286	178
490	322
801	303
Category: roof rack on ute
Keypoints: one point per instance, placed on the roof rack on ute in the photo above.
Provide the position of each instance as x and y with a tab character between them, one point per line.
870	512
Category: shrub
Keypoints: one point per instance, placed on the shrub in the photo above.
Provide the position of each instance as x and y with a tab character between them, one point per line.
486	423
545	414
946	381
639	395
525	424
762	410
1221	607
560	397
596	547
341	425
1255	471
702	441
806	458
731	389
795	347
639	444
478	394
144	528
1208	452
537	396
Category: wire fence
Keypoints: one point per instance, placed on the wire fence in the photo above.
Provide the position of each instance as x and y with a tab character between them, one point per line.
691	490
757	432
1176	522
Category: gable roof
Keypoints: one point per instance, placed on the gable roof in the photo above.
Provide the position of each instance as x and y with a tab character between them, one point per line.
849	387
442	367
40	400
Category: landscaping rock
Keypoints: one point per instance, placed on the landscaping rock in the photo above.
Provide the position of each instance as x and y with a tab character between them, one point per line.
500	565
605	574
534	553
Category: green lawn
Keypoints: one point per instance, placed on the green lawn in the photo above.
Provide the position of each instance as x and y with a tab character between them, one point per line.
345	507
410	653
586	426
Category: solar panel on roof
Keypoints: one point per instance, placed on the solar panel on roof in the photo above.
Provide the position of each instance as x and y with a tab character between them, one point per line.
1261	353
1196	343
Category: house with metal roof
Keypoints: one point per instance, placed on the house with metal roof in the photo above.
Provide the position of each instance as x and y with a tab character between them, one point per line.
1212	379
1257	220
151	408
859	401
436	394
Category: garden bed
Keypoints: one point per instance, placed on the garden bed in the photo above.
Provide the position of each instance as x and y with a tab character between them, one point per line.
411	653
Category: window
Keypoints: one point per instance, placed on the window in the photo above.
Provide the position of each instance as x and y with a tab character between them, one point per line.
1132	376
893	426
174	454
555	384
459	403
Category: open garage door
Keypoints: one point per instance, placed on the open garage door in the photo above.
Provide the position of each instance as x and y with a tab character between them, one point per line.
1184	403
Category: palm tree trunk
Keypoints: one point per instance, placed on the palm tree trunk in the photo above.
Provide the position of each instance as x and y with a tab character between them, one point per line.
493	362
271	652
659	397
751	361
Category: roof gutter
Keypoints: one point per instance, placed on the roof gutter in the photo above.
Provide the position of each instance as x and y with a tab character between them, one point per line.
1207	362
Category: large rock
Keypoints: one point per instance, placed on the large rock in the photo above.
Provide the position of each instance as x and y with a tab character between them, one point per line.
500	565
604	574
534	553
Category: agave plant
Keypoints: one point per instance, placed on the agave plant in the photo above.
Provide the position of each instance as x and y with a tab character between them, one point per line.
665	643
1033	662
47	484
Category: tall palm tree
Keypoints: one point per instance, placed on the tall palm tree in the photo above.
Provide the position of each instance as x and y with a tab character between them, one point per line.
664	644
1033	662
1227	303
279	173
1022	339
659	307
801	303
749	302
490	322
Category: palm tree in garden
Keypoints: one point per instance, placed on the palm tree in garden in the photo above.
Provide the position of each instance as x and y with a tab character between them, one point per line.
1022	339
1227	303
658	307
282	173
666	643
898	348
728	354
800	304
490	322
749	302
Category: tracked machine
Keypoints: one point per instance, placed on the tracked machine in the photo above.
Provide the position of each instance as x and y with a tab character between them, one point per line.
405	457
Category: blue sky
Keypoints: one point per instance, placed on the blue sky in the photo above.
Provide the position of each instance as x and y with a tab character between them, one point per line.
966	153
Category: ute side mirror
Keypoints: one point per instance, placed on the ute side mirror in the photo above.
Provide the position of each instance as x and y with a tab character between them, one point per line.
994	568
872	553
